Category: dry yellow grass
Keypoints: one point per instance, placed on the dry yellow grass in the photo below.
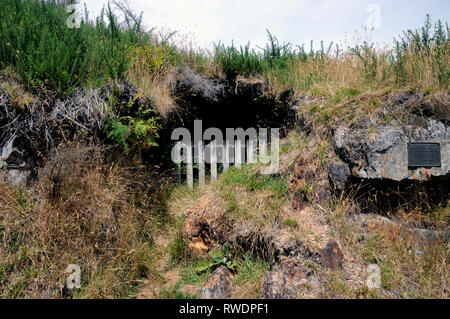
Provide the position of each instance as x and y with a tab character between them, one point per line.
154	75
83	211
373	70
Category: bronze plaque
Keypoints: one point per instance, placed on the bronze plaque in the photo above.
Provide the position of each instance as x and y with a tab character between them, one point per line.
424	155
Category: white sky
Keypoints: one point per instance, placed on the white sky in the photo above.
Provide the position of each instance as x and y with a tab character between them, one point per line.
203	22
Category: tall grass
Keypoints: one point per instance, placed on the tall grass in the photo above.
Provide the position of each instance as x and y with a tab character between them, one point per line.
36	40
418	58
84	211
47	54
423	55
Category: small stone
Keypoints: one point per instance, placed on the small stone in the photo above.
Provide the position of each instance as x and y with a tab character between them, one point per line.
218	285
331	256
338	173
284	244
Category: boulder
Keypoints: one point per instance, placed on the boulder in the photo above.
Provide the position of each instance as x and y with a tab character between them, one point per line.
394	231
381	153
331	256
219	285
10	156
338	174
290	280
14	177
204	225
285	244
12	165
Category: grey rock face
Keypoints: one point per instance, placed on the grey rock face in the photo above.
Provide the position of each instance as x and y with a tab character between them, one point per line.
338	174
12	166
218	285
379	153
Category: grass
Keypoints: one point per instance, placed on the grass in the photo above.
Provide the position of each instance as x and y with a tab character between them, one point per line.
250	196
289	222
410	268
192	277
250	273
177	247
250	269
81	215
250	178
175	293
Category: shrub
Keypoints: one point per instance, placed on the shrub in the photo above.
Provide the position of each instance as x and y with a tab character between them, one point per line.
422	55
132	125
35	39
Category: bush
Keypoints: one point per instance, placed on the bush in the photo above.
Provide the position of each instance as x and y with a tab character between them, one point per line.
132	125
423	54
47	54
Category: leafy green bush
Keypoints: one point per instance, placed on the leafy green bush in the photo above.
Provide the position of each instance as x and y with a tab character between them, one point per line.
132	125
47	54
218	258
428	47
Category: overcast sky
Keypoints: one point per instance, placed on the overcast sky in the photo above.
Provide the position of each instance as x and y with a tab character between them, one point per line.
295	21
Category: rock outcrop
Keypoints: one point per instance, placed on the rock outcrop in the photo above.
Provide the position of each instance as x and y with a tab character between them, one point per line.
338	173
218	285
381	153
331	256
290	280
13	168
204	225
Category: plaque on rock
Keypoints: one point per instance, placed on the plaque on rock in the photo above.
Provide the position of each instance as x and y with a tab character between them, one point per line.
424	155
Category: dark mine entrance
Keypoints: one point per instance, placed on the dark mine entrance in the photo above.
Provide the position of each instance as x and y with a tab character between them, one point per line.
226	105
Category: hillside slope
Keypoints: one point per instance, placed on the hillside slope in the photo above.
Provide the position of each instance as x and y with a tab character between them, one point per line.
86	175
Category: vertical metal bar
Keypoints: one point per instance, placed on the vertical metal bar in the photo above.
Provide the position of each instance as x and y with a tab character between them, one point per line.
201	164
213	161
238	154
226	157
189	165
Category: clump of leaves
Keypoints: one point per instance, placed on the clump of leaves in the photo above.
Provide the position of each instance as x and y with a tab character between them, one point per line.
218	258
133	125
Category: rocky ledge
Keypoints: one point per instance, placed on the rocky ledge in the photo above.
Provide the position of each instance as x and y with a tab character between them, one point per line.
381	152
